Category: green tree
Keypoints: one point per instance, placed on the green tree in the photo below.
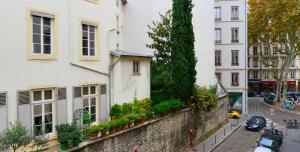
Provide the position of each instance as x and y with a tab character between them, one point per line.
182	50
14	137
161	78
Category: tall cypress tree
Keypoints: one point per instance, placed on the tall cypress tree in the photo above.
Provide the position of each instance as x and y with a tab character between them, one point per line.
182	49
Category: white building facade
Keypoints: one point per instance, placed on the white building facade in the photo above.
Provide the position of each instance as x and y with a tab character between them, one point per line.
231	48
60	56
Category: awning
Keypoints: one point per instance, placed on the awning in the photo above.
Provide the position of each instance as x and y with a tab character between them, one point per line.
268	82
131	53
291	82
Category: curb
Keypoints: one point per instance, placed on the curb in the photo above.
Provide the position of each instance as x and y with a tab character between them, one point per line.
220	142
280	109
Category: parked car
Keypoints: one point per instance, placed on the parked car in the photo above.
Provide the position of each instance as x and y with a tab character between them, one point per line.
273	134
252	94
269	97
271	144
262	149
293	95
233	115
255	123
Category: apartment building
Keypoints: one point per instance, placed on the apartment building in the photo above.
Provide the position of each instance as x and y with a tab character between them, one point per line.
58	56
261	76
230	48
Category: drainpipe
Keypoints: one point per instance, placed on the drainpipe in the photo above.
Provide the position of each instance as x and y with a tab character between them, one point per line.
246	59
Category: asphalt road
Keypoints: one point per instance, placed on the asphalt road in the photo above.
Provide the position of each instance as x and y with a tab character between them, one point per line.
245	141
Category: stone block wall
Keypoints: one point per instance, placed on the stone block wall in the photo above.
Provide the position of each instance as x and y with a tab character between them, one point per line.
167	134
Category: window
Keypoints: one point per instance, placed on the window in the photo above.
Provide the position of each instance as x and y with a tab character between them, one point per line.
42	103
218	58
255	50
266	75
219	76
234	13
234	35
217	12
293	74
293	63
283	61
118	24
136	67
234	57
255	62
89	100
267	51
274	50
275	62
41	34
255	74
3	98
88	40
218	35
234	79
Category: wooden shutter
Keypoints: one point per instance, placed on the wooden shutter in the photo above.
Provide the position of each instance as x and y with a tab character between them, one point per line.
24	109
103	102
3	99
77	104
77	92
103	89
3	111
61	106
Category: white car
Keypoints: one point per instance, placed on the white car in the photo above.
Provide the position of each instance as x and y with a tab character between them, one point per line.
262	149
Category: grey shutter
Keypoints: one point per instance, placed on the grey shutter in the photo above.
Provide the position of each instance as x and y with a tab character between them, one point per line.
77	104
103	102
61	106
24	109
3	111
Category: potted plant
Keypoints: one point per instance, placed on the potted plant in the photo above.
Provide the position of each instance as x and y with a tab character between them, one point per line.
93	131
124	122
113	126
118	124
132	118
116	111
104	129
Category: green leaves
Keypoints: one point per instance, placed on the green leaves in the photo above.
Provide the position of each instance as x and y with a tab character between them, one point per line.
167	106
205	99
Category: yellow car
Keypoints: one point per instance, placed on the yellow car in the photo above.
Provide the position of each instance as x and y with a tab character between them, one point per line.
233	115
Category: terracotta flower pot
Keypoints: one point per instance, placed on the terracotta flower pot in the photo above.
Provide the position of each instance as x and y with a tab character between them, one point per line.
99	134
93	136
131	124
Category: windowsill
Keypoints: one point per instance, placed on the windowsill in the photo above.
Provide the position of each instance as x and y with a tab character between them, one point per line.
41	57
136	74
235	85
89	58
234	64
235	41
93	1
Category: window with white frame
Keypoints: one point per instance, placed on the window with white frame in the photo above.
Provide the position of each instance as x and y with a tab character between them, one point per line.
89	100
218	58
293	63
136	67
267	52
217	13
235	57
293	74
88	40
234	35
234	79
234	13
42	34
255	50
255	62
274	50
217	35
255	74
42	103
266	75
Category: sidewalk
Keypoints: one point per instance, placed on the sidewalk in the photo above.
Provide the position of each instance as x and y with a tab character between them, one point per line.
278	107
213	141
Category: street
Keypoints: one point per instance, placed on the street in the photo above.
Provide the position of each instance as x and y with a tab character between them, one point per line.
245	141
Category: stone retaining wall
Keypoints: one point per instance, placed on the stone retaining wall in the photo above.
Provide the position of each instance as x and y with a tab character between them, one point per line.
167	134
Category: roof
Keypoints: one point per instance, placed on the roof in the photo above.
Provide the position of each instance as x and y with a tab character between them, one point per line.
131	53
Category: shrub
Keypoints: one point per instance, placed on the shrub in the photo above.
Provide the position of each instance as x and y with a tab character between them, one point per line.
116	110
112	124
67	134
87	119
205	99
118	122
132	117
124	120
95	129
127	108
14	137
104	126
166	106
40	143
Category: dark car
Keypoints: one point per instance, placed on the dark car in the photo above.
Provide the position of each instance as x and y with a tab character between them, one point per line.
293	95
269	97
255	123
269	143
273	134
252	94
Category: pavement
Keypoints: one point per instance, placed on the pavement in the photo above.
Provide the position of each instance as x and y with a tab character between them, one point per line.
245	141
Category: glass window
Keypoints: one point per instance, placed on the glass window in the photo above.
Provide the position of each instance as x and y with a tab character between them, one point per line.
218	35
234	13
89	101
234	79
234	57
136	67
217	13
41	35
218	58
88	40
234	35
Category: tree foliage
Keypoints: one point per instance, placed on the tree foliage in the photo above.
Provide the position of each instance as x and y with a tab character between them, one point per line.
275	24
14	137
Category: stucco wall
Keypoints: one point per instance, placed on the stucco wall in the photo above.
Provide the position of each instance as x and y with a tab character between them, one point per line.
168	134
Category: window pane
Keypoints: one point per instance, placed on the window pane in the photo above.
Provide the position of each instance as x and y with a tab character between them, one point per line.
93	89
92	52
38	120
84	43
46	21
93	110
93	118
48	128
37	110
47	39
47	30
36	48
85	51
36	19
84	27
92	29
37	95
36	38
47	49
48	118
92	44
48	108
93	101
47	94
36	28
37	130
92	36
85	102
85	90
84	35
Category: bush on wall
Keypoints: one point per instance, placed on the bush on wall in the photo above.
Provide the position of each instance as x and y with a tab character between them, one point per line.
205	99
